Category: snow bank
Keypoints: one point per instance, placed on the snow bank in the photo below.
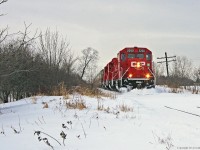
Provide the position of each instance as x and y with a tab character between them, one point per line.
147	125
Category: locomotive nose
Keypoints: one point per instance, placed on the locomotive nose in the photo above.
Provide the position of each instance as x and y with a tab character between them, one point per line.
137	64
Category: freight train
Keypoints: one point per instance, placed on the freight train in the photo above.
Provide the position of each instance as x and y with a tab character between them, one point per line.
132	68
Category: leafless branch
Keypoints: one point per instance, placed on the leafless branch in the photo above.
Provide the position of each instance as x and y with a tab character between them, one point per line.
25	38
17	132
3	132
3	1
83	130
14	72
19	124
3	34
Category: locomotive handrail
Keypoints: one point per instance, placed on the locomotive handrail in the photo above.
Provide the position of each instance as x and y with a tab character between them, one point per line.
153	76
125	72
113	76
107	77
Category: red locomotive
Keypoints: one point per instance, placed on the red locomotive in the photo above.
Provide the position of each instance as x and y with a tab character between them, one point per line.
132	68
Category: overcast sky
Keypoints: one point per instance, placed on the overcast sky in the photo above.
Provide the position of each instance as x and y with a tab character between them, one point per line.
110	25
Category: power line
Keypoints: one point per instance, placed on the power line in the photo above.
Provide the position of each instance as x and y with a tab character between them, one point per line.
166	61
195	59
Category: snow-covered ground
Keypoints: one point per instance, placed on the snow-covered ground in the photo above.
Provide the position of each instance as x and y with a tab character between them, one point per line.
147	124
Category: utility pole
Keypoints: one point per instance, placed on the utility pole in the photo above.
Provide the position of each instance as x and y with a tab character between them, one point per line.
166	61
167	64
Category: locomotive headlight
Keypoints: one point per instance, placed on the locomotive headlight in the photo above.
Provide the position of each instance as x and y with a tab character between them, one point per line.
138	65
148	75
130	75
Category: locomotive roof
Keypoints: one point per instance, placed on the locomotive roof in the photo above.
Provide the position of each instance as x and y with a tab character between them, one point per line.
114	59
135	48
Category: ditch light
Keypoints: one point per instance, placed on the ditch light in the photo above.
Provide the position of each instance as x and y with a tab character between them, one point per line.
147	75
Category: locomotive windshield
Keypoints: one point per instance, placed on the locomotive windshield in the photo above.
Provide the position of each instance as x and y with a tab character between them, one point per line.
148	56
140	56
123	57
131	55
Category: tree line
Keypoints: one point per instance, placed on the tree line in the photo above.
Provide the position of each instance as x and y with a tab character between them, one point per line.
39	63
182	73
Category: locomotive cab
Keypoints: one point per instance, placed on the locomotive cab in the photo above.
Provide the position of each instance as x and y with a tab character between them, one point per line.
135	67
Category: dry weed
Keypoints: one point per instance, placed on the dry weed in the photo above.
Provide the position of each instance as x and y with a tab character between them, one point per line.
66	96
122	108
76	102
125	108
176	90
192	89
195	90
40	94
92	92
34	100
111	95
167	141
46	105
60	90
100	106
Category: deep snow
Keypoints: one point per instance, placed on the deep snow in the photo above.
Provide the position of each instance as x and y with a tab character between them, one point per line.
149	125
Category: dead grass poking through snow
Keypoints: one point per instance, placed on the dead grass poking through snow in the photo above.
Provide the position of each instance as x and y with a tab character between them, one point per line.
93	92
193	89
100	106
167	141
60	90
125	108
111	95
182	89
176	90
34	100
66	96
45	105
76	102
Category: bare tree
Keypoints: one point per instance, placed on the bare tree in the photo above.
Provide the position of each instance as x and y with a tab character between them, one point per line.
22	43
24	71
89	58
69	63
181	73
182	67
15	63
53	48
196	74
159	70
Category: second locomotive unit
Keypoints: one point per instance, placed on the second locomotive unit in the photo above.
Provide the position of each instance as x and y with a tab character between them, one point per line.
131	68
